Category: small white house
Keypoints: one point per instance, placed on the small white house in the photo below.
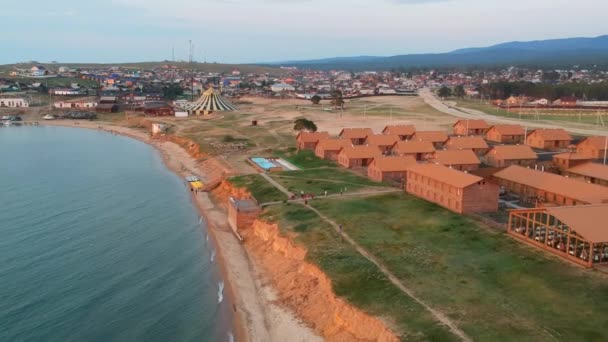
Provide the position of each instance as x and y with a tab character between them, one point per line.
282	87
14	102
83	104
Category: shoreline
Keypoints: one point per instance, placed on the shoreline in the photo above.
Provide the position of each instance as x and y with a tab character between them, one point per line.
238	328
257	315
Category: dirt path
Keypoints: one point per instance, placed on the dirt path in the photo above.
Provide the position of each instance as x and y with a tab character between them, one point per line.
439	316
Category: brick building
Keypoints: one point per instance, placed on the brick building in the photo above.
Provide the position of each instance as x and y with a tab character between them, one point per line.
405	132
470	127
356	135
357	156
462	160
437	138
474	143
419	150
593	173
594	147
455	190
564	161
384	142
329	148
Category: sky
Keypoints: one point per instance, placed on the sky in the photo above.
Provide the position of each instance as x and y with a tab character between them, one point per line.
248	31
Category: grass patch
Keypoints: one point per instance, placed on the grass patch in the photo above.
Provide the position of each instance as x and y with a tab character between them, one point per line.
495	287
303	159
331	179
354	278
259	187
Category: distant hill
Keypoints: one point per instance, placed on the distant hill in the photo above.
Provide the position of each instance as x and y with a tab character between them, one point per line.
554	52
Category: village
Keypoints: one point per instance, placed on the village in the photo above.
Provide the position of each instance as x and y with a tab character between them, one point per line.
374	175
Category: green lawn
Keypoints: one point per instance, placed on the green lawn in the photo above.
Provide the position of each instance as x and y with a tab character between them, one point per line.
496	288
330	179
259	187
303	159
354	278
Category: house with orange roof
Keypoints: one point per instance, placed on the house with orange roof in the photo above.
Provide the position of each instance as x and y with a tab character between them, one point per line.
437	138
455	190
553	139
507	155
384	142
389	168
419	150
475	143
357	156
541	188
506	134
594	147
461	160
309	140
470	127
329	148
593	173
573	233
356	135
567	160
405	132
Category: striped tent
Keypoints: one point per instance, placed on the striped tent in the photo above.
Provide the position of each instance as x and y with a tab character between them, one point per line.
210	101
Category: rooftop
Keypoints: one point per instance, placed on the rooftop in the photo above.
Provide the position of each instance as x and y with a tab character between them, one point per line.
571	188
513	152
414	147
552	134
333	144
585	220
360	152
432	136
382	139
472	124
509	129
356	133
445	174
593	170
400	129
461	143
393	164
456	157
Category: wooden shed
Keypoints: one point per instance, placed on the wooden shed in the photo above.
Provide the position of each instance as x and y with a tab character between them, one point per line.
553	139
309	140
506	134
507	155
389	169
470	127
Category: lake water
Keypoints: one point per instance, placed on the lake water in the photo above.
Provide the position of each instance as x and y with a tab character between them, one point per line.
100	242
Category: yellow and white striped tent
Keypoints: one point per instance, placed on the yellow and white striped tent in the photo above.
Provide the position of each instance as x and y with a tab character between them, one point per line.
210	101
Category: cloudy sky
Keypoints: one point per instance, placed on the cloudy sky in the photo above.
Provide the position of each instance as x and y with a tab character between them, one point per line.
238	31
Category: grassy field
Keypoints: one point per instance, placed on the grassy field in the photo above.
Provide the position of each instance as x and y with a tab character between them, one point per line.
303	159
354	278
493	110
317	181
496	288
259	187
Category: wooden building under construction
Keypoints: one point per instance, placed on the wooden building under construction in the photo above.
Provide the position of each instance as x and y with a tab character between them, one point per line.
578	234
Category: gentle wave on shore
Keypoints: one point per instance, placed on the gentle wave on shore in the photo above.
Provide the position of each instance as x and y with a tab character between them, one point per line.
100	242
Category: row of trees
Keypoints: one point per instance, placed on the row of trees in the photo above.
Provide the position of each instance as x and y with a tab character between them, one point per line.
458	91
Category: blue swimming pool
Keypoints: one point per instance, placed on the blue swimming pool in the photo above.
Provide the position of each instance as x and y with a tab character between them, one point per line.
263	163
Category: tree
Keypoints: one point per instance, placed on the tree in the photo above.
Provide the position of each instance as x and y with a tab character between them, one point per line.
336	99
315	99
304	124
444	92
459	91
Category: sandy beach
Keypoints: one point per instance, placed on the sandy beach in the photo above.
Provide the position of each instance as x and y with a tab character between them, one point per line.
257	316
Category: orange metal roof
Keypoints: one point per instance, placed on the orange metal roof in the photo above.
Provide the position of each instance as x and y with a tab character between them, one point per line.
472	124
360	152
597	142
356	133
445	174
414	147
586	220
393	164
309	137
382	140
551	134
513	152
509	129
400	130
593	170
432	136
456	157
571	188
333	144
461	143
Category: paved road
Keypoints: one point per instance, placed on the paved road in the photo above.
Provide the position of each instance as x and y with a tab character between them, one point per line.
467	113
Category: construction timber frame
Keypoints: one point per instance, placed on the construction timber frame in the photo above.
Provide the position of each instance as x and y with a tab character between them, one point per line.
539	228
